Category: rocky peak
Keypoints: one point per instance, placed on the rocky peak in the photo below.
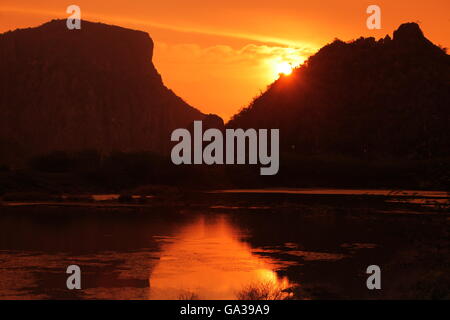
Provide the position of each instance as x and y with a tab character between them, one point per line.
408	32
94	88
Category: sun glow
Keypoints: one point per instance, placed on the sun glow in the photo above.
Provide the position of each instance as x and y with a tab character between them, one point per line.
284	68
284	64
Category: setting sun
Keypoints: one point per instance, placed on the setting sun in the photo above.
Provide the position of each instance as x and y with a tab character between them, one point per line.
284	68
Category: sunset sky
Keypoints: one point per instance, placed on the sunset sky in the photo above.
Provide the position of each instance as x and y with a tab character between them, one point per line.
218	55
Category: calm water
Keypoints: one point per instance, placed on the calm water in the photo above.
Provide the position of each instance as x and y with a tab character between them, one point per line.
317	250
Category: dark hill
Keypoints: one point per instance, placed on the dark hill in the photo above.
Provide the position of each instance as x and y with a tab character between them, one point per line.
366	99
94	88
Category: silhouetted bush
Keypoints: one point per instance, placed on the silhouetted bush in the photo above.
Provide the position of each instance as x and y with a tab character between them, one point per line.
262	291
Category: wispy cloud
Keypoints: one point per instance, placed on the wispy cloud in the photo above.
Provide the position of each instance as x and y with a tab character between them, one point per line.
154	24
223	54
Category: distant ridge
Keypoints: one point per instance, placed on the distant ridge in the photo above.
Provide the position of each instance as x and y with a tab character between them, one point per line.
94	88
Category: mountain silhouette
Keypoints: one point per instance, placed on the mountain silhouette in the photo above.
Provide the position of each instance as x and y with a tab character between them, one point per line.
371	99
94	88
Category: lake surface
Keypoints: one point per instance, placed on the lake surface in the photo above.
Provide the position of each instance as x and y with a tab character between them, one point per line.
302	247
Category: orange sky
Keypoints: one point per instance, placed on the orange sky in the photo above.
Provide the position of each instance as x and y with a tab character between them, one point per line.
218	55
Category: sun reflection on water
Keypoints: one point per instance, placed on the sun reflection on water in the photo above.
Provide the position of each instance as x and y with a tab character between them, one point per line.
207	260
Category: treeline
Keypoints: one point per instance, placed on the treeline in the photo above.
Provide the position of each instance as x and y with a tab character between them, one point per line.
91	171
